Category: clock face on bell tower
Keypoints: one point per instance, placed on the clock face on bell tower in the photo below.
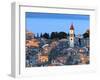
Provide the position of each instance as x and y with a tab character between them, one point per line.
71	31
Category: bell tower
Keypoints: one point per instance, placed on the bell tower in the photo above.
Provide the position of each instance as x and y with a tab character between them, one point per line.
71	37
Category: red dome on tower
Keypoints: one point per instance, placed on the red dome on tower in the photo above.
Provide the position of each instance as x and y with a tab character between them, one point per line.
71	27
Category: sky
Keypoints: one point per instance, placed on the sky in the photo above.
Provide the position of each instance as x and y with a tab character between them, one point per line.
54	22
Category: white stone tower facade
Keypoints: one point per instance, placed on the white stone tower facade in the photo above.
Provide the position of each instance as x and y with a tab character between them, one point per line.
71	37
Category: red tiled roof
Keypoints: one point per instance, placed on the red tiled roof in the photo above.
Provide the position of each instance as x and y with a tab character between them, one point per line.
72	27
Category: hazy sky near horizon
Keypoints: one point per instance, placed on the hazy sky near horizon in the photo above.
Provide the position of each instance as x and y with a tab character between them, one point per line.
47	22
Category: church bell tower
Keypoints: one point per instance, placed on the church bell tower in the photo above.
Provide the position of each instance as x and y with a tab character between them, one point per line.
71	37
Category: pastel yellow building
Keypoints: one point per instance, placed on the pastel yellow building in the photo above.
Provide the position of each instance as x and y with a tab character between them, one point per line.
43	58
32	43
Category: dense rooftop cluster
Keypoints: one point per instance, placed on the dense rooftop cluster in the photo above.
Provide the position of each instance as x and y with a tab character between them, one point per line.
54	50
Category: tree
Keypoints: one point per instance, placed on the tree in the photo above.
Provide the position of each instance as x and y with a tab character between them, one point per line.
37	35
74	35
41	35
54	35
68	34
79	40
86	34
62	35
46	35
